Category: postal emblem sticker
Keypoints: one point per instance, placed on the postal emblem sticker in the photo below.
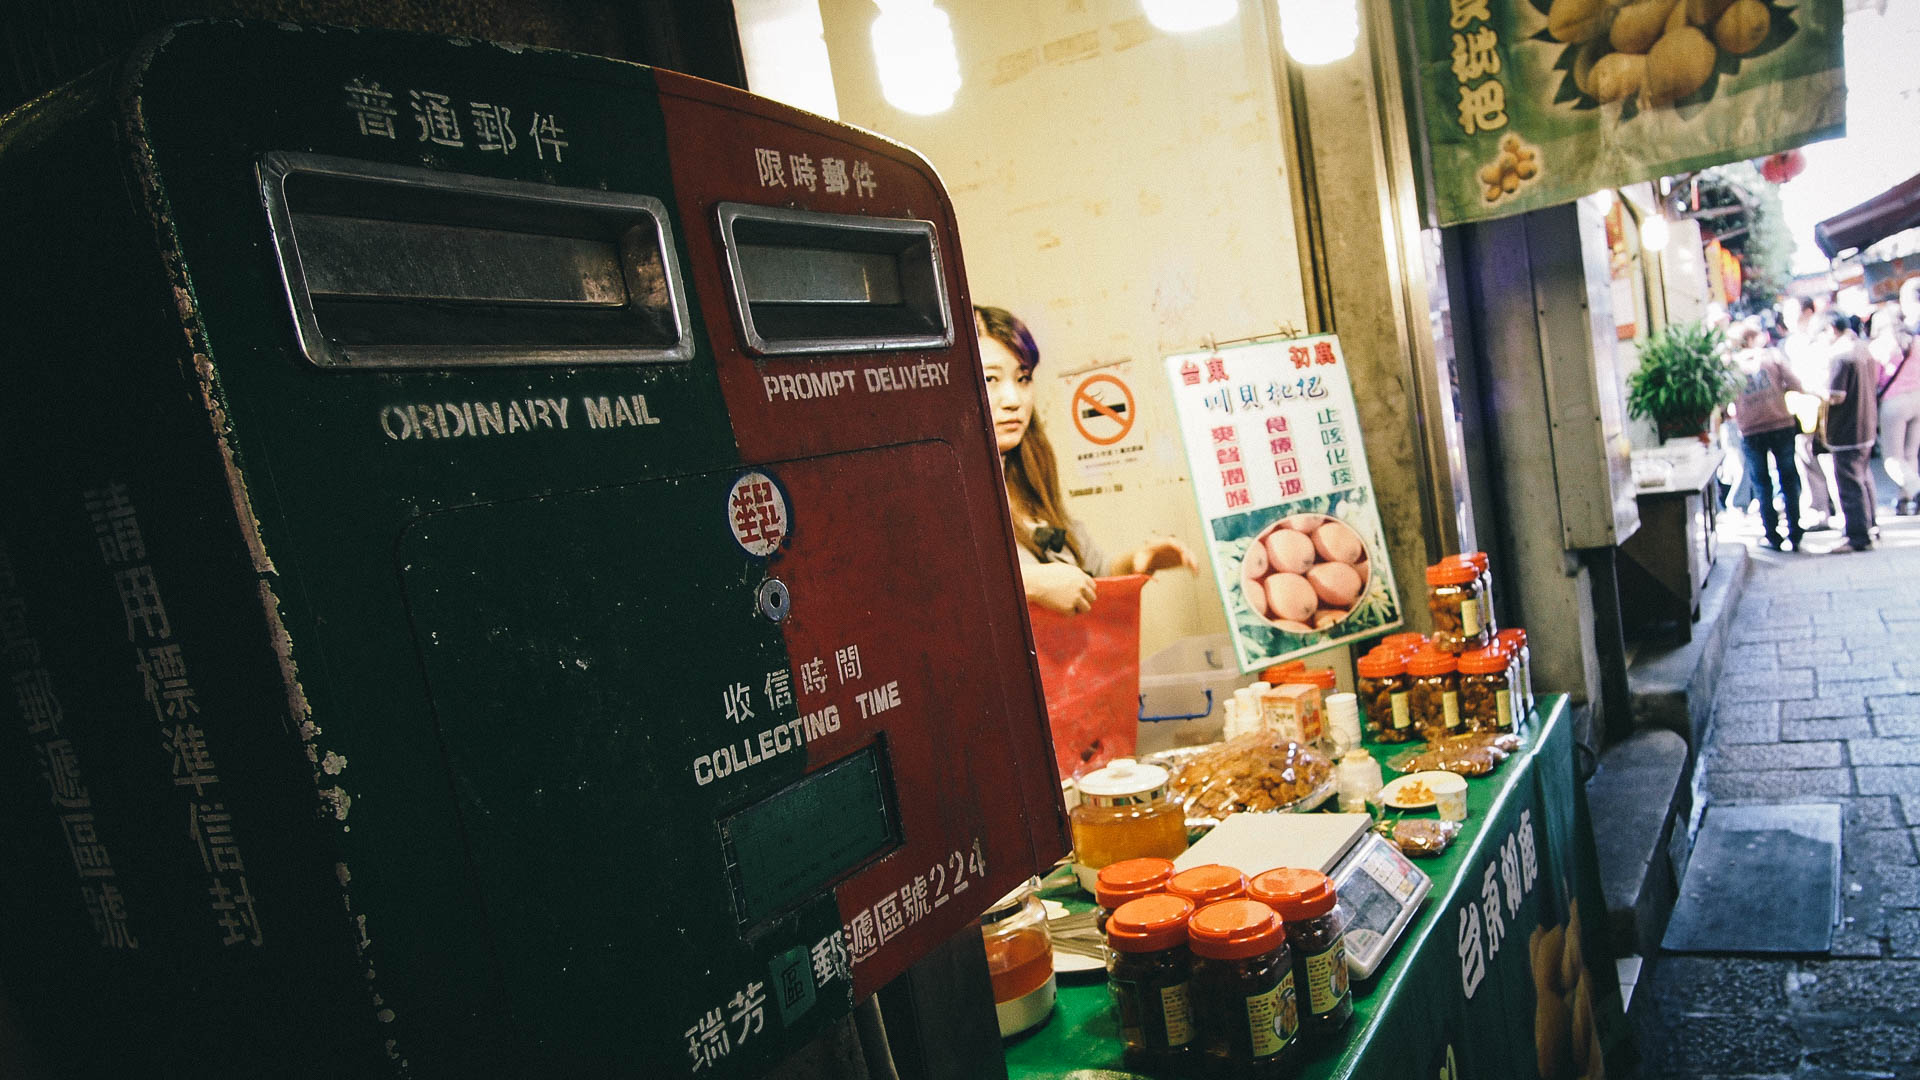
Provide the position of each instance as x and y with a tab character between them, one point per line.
757	514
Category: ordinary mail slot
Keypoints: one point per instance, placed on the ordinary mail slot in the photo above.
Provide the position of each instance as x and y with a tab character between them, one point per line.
392	266
806	282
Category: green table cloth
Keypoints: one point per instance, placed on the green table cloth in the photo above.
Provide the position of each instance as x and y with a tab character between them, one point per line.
1482	984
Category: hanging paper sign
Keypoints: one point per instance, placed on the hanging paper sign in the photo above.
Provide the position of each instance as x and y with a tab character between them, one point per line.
1531	103
1281	478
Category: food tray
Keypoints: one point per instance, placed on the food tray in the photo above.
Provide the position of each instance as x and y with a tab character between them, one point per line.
1173	760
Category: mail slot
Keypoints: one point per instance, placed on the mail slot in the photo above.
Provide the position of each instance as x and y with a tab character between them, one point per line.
503	569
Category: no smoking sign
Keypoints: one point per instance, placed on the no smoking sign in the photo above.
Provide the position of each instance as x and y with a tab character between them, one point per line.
1103	410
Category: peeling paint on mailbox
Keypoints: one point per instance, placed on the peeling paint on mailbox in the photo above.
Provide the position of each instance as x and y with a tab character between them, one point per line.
503	568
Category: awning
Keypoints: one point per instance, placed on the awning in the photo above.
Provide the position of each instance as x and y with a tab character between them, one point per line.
1893	210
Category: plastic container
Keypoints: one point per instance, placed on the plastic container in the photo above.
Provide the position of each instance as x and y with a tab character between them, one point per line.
1515	639
1486	690
1124	813
1176	683
1435	696
1280	674
1149	972
1316	934
1244	996
1383	684
1360	779
1343	722
1485	567
1019	959
1458	606
1128	879
1209	884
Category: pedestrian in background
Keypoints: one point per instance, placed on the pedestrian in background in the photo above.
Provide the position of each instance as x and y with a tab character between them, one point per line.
1893	348
1767	429
1809	363
1852	424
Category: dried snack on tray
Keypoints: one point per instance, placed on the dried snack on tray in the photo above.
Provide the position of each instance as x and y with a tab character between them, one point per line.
1476	754
1261	771
1421	838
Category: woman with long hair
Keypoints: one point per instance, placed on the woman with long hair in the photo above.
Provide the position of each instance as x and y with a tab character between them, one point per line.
1058	561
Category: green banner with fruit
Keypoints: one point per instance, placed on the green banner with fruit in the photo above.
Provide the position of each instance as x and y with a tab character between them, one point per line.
1531	103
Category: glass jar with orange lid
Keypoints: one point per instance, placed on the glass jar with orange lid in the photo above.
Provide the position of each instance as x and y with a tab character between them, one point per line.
1244	996
1484	566
1209	884
1316	933
1404	643
1515	639
1149	972
1128	879
1486	690
1382	686
1019	959
1458	606
1124	813
1435	695
1282	673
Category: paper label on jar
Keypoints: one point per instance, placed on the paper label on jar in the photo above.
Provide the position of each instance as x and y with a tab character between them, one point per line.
1273	1018
1450	703
1470	617
1177	1006
1402	717
1503	701
1327	978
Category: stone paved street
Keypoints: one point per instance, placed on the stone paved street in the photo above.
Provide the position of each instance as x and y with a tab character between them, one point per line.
1819	702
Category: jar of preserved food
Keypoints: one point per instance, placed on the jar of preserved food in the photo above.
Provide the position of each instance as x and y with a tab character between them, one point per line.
1243	989
1316	933
1209	884
1149	971
1128	879
1486	690
1515	639
1019	959
1458	606
1281	674
1435	695
1383	684
1484	566
1124	813
1402	644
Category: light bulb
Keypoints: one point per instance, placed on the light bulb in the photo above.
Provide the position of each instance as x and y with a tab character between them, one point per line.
1319	31
913	48
1181	16
1653	232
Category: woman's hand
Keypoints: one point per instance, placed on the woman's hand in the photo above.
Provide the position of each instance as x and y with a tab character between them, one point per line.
1159	553
1058	587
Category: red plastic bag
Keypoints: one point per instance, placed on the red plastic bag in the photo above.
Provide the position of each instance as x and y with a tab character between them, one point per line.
1090	671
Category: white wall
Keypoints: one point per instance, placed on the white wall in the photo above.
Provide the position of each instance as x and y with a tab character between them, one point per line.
1124	191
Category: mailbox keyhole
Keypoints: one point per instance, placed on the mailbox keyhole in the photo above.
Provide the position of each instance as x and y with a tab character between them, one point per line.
775	600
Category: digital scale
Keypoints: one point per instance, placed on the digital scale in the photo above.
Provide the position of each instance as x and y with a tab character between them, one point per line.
1380	888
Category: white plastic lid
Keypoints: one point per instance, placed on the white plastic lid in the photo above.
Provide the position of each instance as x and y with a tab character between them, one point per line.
1342	705
1123	776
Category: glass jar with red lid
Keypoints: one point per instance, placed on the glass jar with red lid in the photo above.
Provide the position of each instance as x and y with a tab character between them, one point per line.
1485	567
1486	690
1244	997
1128	879
1515	639
1208	884
1382	687
1149	972
1435	695
1458	606
1316	934
1404	643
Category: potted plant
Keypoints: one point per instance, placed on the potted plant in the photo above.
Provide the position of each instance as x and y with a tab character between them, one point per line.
1682	378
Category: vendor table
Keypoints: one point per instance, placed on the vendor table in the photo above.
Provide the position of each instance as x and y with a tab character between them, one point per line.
1471	990
1664	565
